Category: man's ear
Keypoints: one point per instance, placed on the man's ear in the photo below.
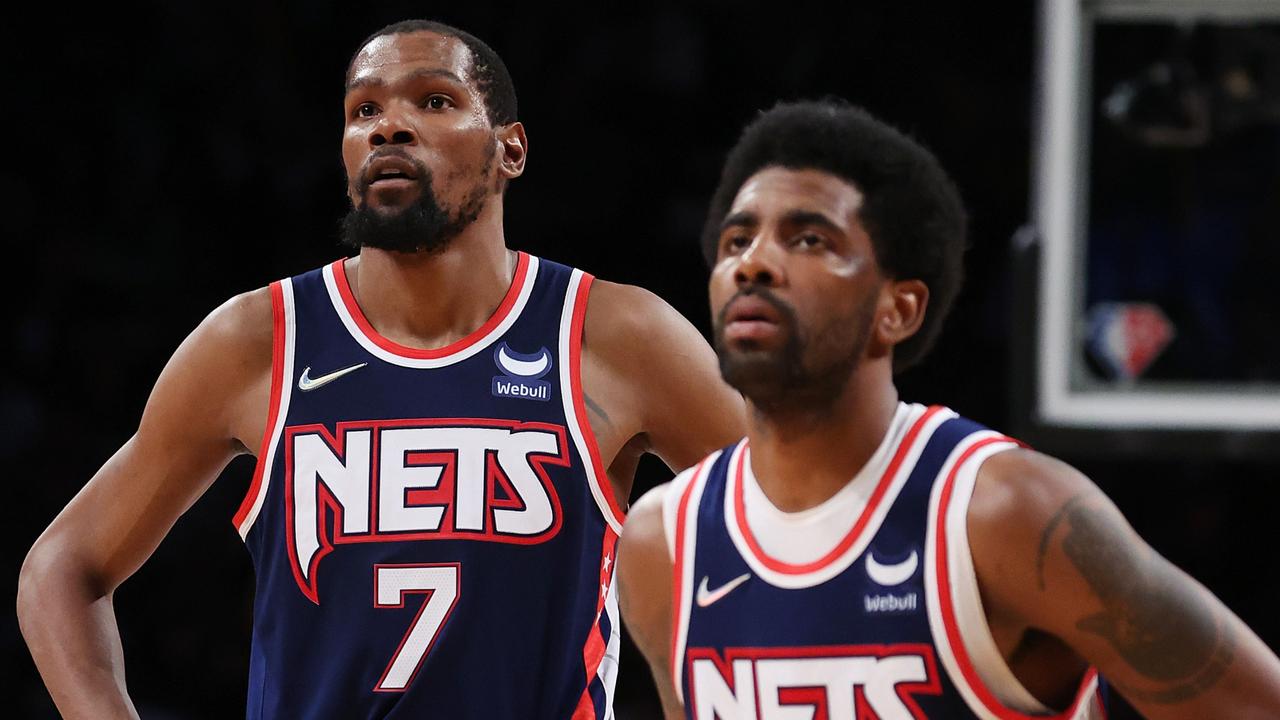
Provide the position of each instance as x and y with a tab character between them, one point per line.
513	148
901	313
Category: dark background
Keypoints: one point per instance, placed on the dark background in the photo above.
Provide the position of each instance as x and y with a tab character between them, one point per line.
1185	199
163	157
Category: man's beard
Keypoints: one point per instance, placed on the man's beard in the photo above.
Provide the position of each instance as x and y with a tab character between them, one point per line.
424	226
809	371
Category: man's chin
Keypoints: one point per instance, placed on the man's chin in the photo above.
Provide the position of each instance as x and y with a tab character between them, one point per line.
401	231
387	210
753	372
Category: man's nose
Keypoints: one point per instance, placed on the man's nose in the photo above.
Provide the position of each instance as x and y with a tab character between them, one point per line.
760	263
393	129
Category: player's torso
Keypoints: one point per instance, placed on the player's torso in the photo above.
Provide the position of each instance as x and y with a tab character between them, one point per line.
849	611
428	528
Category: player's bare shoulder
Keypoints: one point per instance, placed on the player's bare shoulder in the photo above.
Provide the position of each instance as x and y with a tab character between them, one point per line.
224	368
1047	542
644	532
646	553
623	321
245	320
1018	498
1022	486
651	371
248	323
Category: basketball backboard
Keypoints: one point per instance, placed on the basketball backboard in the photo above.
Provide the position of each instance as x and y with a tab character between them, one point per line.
1156	218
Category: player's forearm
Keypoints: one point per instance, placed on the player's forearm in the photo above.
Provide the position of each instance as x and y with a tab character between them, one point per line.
1242	682
1250	687
72	634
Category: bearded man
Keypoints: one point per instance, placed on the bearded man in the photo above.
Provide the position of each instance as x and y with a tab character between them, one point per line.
446	433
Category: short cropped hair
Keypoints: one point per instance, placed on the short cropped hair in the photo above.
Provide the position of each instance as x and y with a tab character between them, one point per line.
911	209
487	69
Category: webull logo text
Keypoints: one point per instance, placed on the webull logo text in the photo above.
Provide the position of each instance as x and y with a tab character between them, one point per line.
890	603
521	373
510	388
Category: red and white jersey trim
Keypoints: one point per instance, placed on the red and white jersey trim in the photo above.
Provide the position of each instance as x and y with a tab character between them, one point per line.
902	450
608	668
600	655
353	318
956	618
572	321
283	326
685	493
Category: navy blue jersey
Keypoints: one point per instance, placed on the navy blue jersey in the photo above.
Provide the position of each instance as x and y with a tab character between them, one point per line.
880	619
432	530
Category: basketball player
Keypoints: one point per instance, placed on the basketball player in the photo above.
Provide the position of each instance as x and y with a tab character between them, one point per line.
856	556
447	429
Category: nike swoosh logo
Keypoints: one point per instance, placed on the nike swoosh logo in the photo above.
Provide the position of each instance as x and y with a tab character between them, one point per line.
307	383
894	574
707	597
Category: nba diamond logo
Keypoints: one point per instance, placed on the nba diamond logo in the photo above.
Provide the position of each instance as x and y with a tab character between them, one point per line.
520	374
1126	338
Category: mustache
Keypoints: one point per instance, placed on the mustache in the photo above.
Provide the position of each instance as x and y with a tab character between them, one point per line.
784	309
362	178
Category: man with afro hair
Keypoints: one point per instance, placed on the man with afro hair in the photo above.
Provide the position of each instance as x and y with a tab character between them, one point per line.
856	556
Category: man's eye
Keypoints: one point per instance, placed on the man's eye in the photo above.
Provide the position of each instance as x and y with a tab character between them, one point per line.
737	242
810	240
366	110
438	102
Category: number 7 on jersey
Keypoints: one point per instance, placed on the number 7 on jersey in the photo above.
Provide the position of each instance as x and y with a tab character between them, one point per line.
391	583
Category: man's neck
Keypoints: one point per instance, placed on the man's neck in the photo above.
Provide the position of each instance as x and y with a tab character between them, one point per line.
801	456
429	300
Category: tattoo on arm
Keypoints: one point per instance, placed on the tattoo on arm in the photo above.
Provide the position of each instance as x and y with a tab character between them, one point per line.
598	417
1048	534
1161	625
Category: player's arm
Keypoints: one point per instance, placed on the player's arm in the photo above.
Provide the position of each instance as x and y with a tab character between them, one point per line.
663	374
644	591
1051	550
205	407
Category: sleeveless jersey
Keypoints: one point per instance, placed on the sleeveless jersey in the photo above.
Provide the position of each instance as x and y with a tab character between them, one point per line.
880	620
432	531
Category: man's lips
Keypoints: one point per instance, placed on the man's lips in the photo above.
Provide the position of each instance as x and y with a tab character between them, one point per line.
751	318
391	171
749	308
393	183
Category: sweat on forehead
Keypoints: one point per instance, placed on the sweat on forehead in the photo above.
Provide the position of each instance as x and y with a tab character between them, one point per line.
482	66
444	53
